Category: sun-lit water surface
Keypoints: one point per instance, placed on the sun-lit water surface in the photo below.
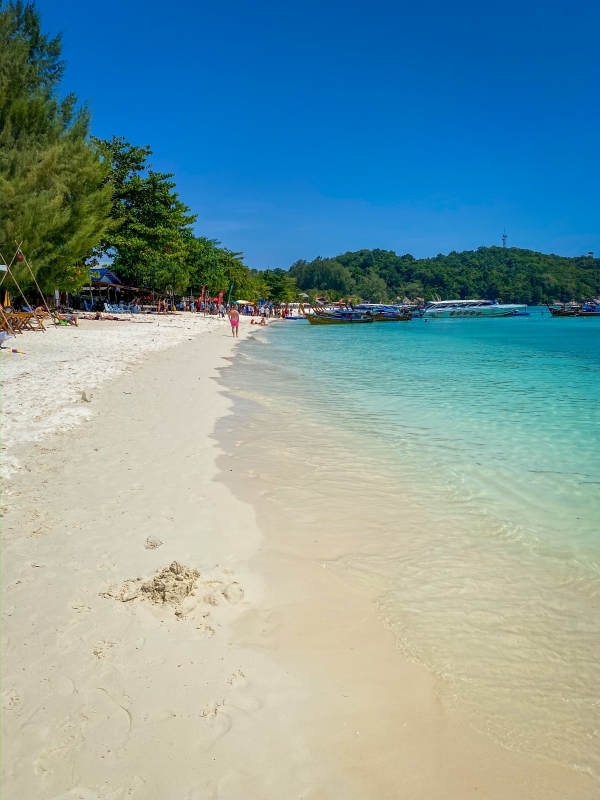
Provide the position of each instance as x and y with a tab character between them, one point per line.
469	453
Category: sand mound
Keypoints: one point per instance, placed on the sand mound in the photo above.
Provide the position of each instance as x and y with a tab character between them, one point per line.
182	589
171	585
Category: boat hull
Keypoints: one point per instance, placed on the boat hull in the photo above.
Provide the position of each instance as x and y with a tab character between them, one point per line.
572	312
322	319
483	312
392	317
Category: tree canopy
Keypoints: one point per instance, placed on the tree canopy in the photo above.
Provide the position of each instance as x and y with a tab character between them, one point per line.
506	274
219	270
275	285
71	198
51	173
150	232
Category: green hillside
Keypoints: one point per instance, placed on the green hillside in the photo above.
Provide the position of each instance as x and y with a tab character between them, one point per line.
506	274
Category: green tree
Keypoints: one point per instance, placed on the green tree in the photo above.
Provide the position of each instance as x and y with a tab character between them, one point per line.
278	286
219	270
51	174
150	235
507	274
322	274
372	288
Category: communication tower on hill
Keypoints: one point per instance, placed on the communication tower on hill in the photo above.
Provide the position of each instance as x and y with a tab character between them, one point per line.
504	238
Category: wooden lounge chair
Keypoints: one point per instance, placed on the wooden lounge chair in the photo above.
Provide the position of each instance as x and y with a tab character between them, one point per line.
15	322
5	323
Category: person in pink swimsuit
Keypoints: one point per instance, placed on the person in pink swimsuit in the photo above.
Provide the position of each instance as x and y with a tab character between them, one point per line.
234	319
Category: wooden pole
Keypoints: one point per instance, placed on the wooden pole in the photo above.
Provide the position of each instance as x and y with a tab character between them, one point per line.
35	281
8	266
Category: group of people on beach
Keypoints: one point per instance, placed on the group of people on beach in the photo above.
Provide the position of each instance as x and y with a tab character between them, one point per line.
259	312
234	320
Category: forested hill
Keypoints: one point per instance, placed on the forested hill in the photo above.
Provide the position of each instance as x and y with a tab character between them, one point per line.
506	274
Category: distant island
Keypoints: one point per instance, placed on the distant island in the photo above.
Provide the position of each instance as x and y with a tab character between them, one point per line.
506	274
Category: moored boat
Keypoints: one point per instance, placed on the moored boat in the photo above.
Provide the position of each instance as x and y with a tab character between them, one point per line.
472	309
588	308
384	313
337	316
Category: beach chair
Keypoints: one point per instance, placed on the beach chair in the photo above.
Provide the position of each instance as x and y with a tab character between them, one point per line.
27	321
64	322
18	321
5	324
40	317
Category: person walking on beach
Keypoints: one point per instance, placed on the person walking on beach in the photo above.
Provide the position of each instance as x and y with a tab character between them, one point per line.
234	319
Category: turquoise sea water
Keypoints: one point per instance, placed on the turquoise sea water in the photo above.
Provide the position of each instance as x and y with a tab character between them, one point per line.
469	452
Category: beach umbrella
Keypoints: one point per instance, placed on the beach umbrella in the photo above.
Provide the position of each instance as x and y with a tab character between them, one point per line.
242	302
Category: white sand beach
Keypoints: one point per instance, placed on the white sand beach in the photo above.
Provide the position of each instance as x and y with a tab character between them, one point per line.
162	637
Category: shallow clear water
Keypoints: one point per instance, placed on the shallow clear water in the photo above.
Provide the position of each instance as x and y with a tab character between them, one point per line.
469	453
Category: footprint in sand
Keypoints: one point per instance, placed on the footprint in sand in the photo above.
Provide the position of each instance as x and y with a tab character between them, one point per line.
216	718
234	593
10	699
80	607
237	679
205	631
102	649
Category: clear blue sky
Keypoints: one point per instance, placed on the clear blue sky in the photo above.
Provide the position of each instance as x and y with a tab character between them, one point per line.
298	129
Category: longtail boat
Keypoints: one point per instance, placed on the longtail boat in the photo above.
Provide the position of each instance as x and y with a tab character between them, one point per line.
589	308
341	316
383	313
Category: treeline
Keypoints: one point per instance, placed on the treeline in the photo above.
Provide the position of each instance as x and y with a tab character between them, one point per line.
72	199
506	274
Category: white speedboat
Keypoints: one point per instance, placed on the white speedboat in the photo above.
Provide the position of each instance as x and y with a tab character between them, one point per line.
472	309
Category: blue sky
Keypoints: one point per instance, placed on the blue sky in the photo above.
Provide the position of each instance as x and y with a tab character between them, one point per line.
304	129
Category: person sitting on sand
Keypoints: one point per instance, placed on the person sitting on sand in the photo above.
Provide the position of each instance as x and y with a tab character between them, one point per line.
70	319
263	323
234	319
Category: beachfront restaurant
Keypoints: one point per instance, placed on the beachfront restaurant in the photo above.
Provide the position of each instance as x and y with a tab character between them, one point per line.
105	287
